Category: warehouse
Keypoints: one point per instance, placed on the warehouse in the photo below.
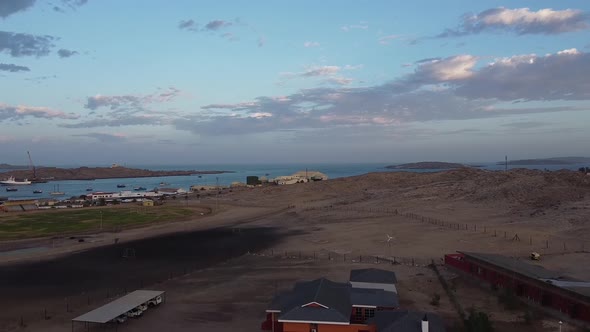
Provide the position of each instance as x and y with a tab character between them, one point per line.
548	289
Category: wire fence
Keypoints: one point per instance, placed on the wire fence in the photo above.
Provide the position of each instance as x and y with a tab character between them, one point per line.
543	243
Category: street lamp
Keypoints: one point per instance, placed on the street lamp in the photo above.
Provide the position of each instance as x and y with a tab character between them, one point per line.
560	323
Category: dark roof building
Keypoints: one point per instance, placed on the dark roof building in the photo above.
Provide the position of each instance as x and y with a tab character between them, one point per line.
324	305
373	278
320	300
376	276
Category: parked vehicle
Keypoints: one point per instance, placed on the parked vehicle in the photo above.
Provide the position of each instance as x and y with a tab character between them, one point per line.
143	307
135	312
121	319
155	301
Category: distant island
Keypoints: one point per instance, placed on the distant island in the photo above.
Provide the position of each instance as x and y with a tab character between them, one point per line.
8	166
548	161
427	165
91	173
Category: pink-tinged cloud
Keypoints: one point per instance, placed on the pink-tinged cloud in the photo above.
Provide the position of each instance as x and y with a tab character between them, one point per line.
521	21
8	112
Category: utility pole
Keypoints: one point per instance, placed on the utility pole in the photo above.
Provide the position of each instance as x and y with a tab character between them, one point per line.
217	195
505	163
101	220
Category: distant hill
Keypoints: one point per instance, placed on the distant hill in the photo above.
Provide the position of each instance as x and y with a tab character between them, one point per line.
427	165
8	166
90	173
548	161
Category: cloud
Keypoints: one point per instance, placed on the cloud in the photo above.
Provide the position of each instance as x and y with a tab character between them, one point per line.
309	44
23	44
63	53
449	69
120	119
385	40
190	25
520	21
12	68
558	76
137	102
104	137
216	25
321	71
360	26
211	26
127	110
71	4
439	89
8	112
339	80
9	7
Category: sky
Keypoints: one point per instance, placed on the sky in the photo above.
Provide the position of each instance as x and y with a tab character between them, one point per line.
96	82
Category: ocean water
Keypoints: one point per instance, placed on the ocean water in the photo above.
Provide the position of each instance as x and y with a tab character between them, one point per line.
238	174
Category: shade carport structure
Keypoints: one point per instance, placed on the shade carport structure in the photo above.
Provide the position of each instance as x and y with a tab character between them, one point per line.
118	307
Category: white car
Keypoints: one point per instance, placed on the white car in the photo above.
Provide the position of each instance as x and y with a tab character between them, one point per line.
121	319
155	301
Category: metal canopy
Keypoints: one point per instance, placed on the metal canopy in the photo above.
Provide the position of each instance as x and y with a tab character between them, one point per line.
114	309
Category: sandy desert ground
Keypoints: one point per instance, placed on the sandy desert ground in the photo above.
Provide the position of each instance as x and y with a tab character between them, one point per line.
220	270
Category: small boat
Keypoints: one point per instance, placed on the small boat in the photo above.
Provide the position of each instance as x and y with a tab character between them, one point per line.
164	183
200	176
11	189
139	188
37	191
88	189
121	186
13	182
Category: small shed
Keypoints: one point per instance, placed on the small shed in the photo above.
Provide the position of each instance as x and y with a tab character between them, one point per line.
374	279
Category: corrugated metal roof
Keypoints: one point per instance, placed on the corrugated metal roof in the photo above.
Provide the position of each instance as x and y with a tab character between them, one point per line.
373	297
112	310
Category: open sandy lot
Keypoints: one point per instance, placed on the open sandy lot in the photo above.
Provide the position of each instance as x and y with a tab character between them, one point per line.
273	236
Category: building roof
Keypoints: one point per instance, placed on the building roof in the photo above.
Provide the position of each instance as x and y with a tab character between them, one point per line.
406	321
532	271
516	265
320	300
114	309
373	297
372	275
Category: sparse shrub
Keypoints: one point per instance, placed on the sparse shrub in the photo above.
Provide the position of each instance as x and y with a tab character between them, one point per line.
508	299
478	321
528	317
435	301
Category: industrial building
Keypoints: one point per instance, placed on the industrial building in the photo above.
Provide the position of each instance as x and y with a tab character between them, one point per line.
548	289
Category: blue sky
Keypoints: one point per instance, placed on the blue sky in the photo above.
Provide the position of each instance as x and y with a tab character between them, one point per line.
160	82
